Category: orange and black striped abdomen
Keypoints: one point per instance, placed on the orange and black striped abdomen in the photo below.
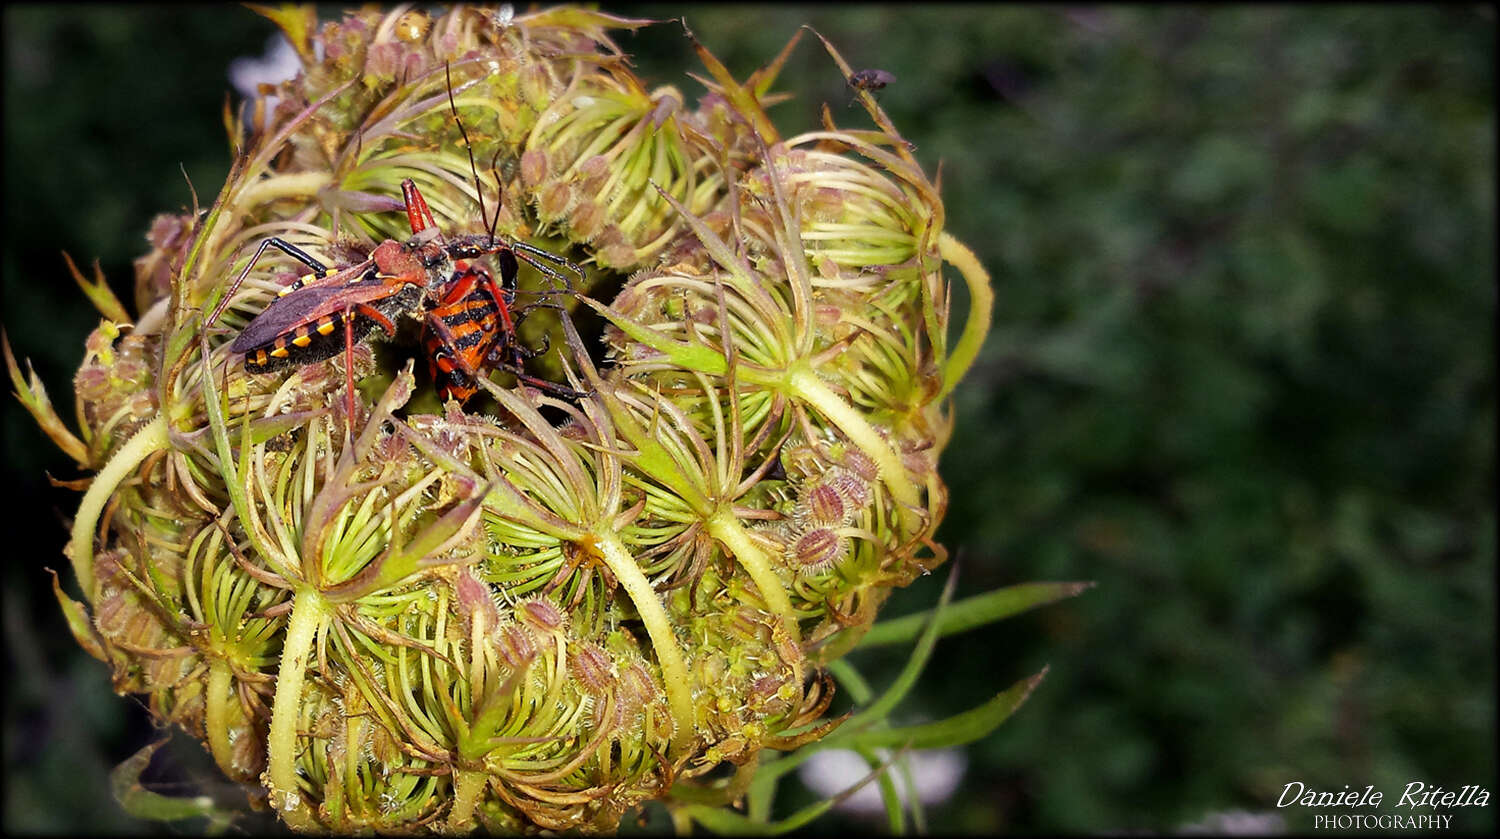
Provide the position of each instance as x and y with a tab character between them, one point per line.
474	325
297	328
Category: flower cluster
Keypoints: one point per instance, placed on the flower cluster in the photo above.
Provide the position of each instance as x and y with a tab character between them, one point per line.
540	612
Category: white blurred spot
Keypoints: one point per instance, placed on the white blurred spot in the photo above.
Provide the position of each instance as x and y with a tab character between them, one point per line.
278	64
935	773
1237	823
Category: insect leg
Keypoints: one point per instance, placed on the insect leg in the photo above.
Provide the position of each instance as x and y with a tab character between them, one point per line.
531	253
319	270
390	329
523	352
349	372
449	341
541	384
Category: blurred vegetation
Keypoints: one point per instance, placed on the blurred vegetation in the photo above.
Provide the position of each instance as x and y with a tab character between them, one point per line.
1241	374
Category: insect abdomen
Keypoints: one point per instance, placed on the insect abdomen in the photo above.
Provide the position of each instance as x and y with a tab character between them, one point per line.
474	323
322	338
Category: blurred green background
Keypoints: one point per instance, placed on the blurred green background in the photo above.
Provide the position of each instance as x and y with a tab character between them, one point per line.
1241	374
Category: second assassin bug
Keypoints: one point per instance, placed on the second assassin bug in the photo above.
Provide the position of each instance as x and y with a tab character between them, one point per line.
474	331
466	315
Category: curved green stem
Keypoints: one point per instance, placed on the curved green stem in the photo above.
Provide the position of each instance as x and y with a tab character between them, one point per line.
216	716
309	610
727	529
805	385
150	439
467	786
674	673
981	305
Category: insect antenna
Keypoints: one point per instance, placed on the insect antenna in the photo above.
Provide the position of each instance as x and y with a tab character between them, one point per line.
494	170
527	253
469	147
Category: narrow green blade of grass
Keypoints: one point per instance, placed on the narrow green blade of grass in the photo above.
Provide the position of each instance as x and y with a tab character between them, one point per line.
972	612
958	729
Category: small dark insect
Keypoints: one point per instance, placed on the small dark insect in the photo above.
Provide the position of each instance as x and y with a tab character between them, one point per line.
870	80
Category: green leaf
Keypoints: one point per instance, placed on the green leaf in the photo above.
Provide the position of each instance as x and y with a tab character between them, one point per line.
99	292
728	822
34	396
957	730
972	612
125	782
889	795
693	357
851	681
877	711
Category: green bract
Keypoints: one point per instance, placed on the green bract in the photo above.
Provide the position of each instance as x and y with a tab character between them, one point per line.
541	613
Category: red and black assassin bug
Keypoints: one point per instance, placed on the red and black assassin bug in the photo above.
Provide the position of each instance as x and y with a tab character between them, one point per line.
317	315
463	308
473	330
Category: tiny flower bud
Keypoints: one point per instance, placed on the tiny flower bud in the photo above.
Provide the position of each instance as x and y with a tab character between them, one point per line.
475	601
586	220
516	646
383	61
827	316
593	172
852	488
637	687
619	256
555	201
861	463
533	167
91	384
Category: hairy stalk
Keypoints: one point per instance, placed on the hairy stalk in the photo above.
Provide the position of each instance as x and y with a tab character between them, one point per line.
150	439
803	383
216	714
728	530
468	785
309	610
663	639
